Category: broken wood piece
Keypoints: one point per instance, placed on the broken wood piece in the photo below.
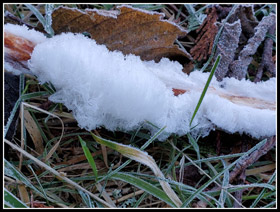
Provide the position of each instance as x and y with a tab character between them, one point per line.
128	91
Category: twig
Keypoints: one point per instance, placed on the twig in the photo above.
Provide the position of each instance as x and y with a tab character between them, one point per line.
176	9
252	158
267	62
238	194
13	18
240	180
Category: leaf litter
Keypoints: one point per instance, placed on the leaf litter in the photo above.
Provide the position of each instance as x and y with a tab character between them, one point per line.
130	30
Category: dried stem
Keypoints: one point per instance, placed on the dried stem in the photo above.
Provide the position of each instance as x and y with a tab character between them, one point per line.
18	50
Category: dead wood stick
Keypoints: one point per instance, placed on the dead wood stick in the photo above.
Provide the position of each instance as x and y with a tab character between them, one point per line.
240	181
267	62
18	51
252	158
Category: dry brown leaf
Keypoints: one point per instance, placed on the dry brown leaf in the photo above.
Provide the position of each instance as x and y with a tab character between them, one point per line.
128	30
23	193
205	39
34	132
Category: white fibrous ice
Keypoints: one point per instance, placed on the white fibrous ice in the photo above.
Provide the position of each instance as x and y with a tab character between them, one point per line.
122	92
23	31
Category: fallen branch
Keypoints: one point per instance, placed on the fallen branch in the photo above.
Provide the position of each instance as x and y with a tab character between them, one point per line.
128	91
252	158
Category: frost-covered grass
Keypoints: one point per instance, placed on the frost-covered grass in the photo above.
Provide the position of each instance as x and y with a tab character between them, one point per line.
81	169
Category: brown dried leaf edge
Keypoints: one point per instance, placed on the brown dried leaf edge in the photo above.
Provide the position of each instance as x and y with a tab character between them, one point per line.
126	29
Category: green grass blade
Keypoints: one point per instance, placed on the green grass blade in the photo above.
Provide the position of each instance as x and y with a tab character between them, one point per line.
152	138
86	199
46	22
270	205
89	156
206	87
33	95
11	117
141	184
18	102
12	201
49	87
149	6
225	183
48	18
11	171
194	145
37	179
36	13
261	195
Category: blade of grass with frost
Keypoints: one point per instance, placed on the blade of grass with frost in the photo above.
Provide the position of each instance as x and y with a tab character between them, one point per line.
261	185
11	117
261	195
149	6
141	157
194	195
89	156
94	168
36	13
28	96
40	17
195	19
195	146
49	88
215	158
86	199
206	87
52	109
141	184
18	102
269	205
37	179
12	201
48	17
223	194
